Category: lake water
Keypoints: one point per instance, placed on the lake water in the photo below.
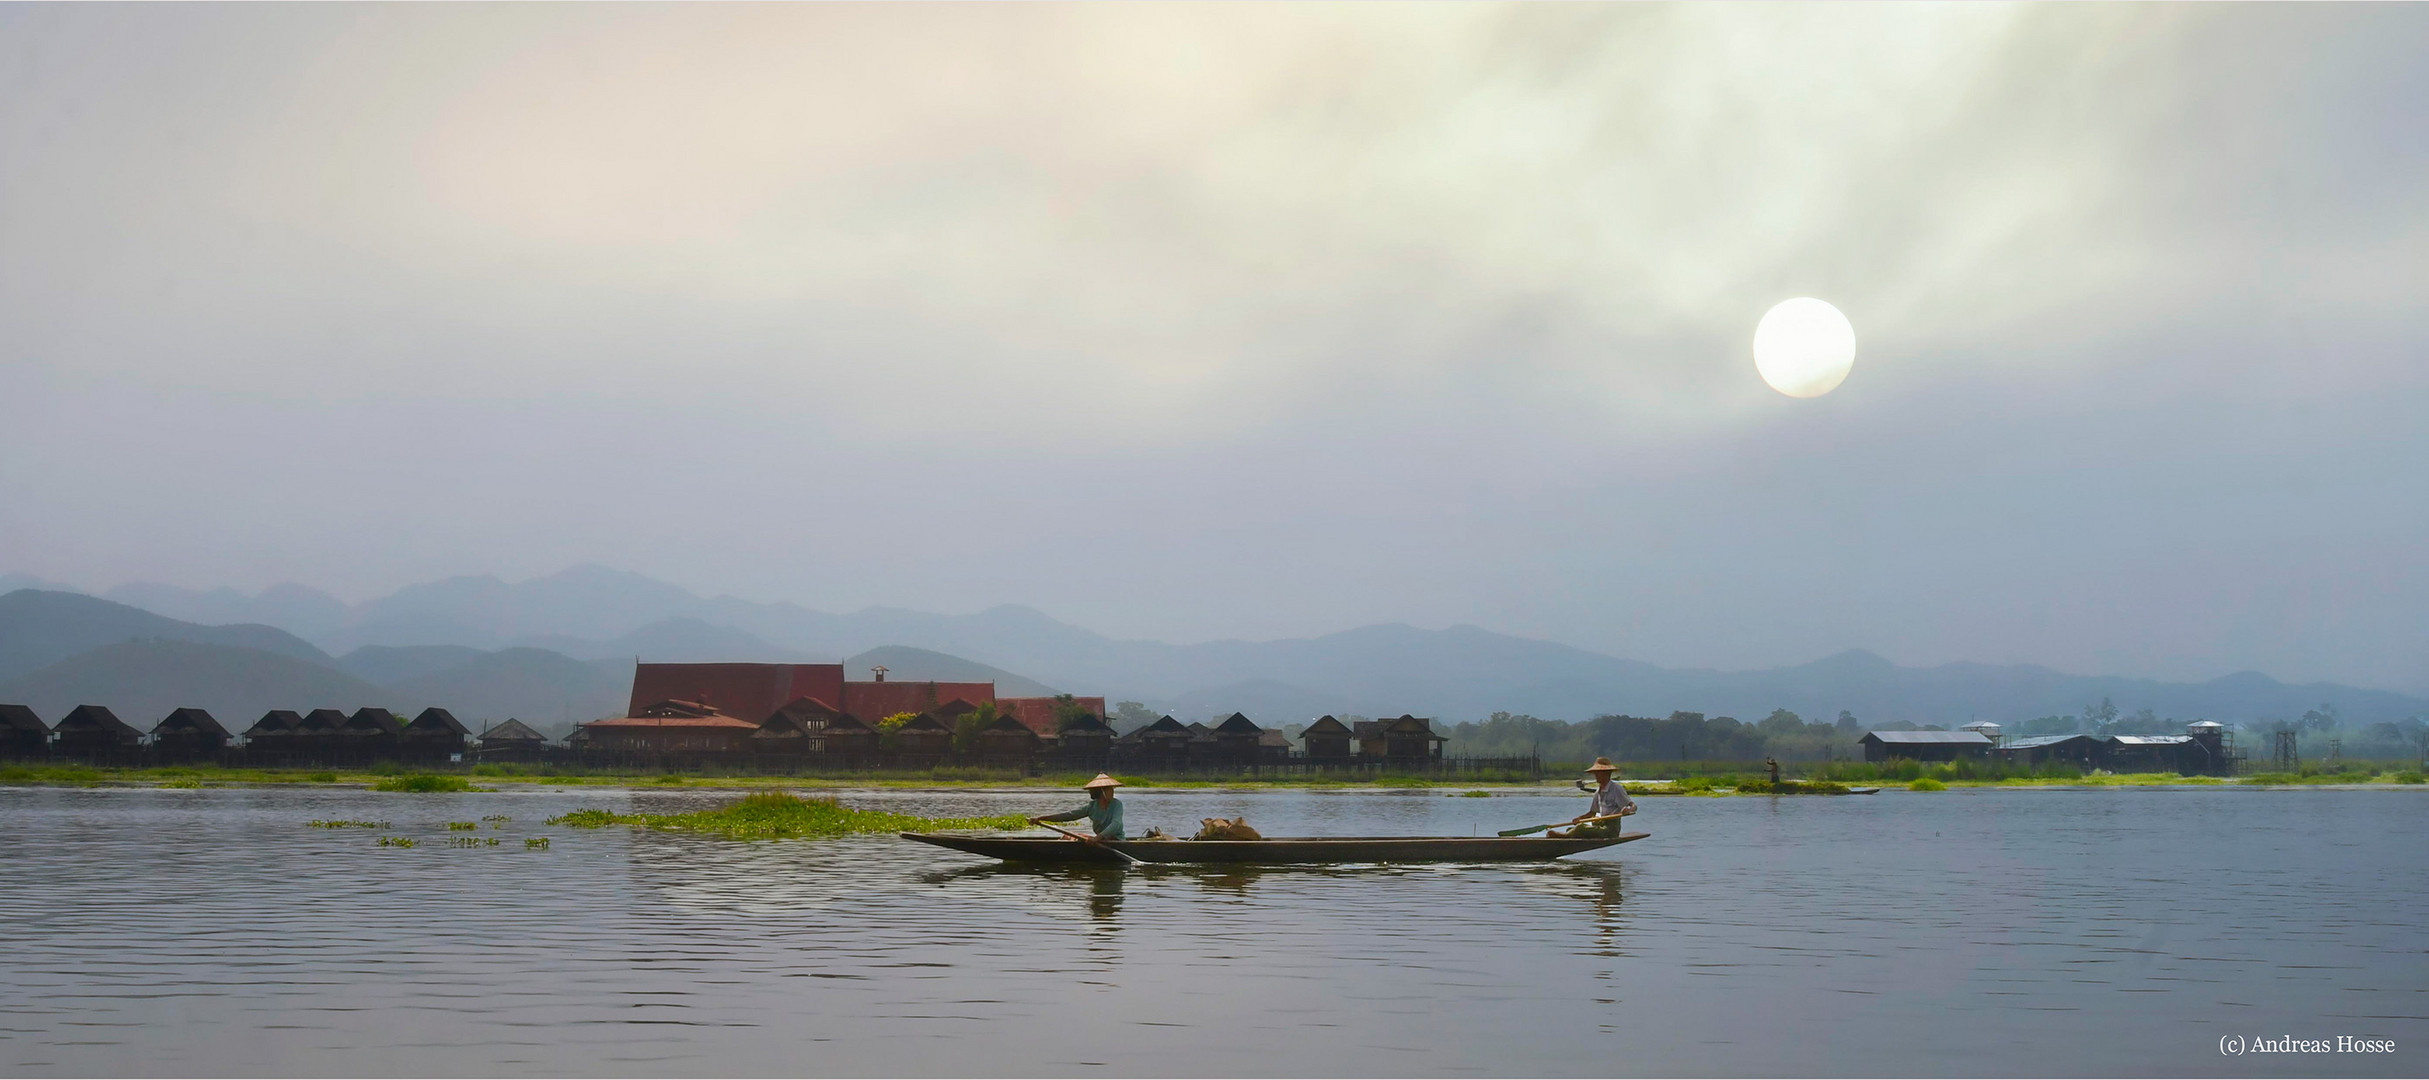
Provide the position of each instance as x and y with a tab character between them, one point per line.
1972	932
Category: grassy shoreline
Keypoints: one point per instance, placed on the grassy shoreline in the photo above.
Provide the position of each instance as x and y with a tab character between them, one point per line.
489	779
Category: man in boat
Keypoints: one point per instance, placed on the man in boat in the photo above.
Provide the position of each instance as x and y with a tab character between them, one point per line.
1103	811
1610	798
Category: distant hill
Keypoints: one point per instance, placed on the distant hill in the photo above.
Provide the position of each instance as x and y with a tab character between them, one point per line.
143	681
305	611
906	664
547	690
39	628
680	640
385	664
1462	672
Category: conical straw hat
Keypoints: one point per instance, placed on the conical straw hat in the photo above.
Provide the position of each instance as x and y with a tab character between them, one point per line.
1602	764
1101	780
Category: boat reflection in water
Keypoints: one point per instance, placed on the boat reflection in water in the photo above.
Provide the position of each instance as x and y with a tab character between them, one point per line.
1065	889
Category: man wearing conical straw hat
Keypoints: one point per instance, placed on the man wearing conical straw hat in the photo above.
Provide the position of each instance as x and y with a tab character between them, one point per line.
1610	801
1103	811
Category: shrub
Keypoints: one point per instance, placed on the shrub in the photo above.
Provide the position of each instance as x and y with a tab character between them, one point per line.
423	782
2409	776
321	777
1926	784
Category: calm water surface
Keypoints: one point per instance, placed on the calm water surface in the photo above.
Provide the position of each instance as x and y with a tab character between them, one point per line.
1973	932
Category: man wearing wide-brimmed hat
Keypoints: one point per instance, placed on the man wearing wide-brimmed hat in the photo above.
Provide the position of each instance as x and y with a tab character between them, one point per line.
1103	811
1610	800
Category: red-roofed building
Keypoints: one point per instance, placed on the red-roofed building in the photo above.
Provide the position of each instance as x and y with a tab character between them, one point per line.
746	691
1037	713
874	701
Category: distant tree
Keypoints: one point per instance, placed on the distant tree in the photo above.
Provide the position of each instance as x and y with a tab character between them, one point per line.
1781	722
1068	710
2101	717
2050	725
1129	716
1848	724
967	726
2322	718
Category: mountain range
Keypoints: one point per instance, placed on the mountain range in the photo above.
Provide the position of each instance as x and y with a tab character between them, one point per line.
560	648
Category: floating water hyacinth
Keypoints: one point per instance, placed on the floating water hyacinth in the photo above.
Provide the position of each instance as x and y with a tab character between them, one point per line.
398	841
463	826
779	815
316	824
535	843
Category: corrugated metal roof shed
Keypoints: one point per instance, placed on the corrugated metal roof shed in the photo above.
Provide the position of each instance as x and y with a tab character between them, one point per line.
1934	738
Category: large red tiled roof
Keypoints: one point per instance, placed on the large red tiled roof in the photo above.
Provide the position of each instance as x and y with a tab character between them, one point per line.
874	701
749	691
1037	713
654	722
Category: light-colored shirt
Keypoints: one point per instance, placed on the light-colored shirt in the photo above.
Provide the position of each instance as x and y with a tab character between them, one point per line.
1612	799
1105	821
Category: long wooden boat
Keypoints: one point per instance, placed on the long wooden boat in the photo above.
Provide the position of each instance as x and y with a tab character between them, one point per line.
1278	851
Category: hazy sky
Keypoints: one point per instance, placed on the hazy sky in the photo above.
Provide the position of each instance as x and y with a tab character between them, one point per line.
1209	321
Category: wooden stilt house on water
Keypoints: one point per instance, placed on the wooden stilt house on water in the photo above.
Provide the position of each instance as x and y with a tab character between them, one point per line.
1085	740
925	739
848	740
1160	745
513	740
787	736
434	734
23	734
372	735
271	739
1404	740
320	736
94	733
189	735
1235	741
1007	740
1327	741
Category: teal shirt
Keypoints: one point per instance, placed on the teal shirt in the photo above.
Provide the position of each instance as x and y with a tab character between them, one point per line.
1105	821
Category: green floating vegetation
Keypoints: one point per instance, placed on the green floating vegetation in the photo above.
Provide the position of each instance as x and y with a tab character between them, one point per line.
495	819
398	841
782	815
1926	784
535	843
423	782
463	826
472	841
1475	795
318	824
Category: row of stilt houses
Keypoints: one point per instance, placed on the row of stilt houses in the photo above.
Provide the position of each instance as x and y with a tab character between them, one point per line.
805	733
95	735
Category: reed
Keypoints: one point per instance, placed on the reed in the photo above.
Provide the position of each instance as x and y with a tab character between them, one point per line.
782	815
423	782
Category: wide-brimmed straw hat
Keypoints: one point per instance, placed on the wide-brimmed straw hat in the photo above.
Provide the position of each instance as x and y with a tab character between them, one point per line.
1602	764
1102	780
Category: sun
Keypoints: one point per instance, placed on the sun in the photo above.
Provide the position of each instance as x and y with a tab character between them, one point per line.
1804	347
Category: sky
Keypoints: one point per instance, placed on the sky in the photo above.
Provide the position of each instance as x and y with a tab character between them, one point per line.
1193	322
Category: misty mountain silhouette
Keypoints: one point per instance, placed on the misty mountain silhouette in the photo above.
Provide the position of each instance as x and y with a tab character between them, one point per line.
1463	672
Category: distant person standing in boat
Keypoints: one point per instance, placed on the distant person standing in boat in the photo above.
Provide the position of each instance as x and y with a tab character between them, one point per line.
1103	811
1609	798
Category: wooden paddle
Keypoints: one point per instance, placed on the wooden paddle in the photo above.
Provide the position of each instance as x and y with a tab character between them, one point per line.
1562	824
1093	840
